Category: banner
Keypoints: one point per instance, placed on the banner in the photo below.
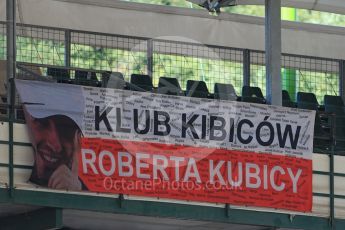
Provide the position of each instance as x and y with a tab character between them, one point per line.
115	141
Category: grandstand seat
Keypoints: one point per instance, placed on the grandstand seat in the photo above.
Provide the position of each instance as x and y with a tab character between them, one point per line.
86	78
307	101
252	94
116	81
141	82
333	102
197	89
59	74
286	100
35	70
19	113
105	78
32	73
3	80
3	107
322	138
169	86
224	92
335	106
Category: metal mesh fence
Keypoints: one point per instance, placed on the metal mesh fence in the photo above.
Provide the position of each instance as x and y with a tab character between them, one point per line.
3	77
40	45
258	70
109	53
2	41
314	75
187	61
299	74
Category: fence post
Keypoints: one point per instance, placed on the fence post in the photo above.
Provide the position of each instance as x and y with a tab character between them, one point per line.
68	48
331	184
246	67
342	79
331	171
150	57
273	46
11	74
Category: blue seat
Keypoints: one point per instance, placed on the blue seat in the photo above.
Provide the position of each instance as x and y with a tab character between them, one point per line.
322	137
169	86
335	105
197	89
307	101
224	92
116	81
86	78
141	82
61	75
286	100
253	95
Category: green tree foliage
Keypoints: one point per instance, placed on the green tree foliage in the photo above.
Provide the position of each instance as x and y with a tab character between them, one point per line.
2	47
317	17
307	16
196	68
40	51
109	59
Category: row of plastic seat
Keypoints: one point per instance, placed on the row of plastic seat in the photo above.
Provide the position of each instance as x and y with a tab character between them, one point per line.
171	86
81	77
329	126
141	82
167	85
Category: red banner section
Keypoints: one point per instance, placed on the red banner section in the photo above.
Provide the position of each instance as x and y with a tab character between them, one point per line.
195	173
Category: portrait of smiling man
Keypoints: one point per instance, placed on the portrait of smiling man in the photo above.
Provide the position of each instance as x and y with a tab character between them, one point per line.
54	126
56	143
